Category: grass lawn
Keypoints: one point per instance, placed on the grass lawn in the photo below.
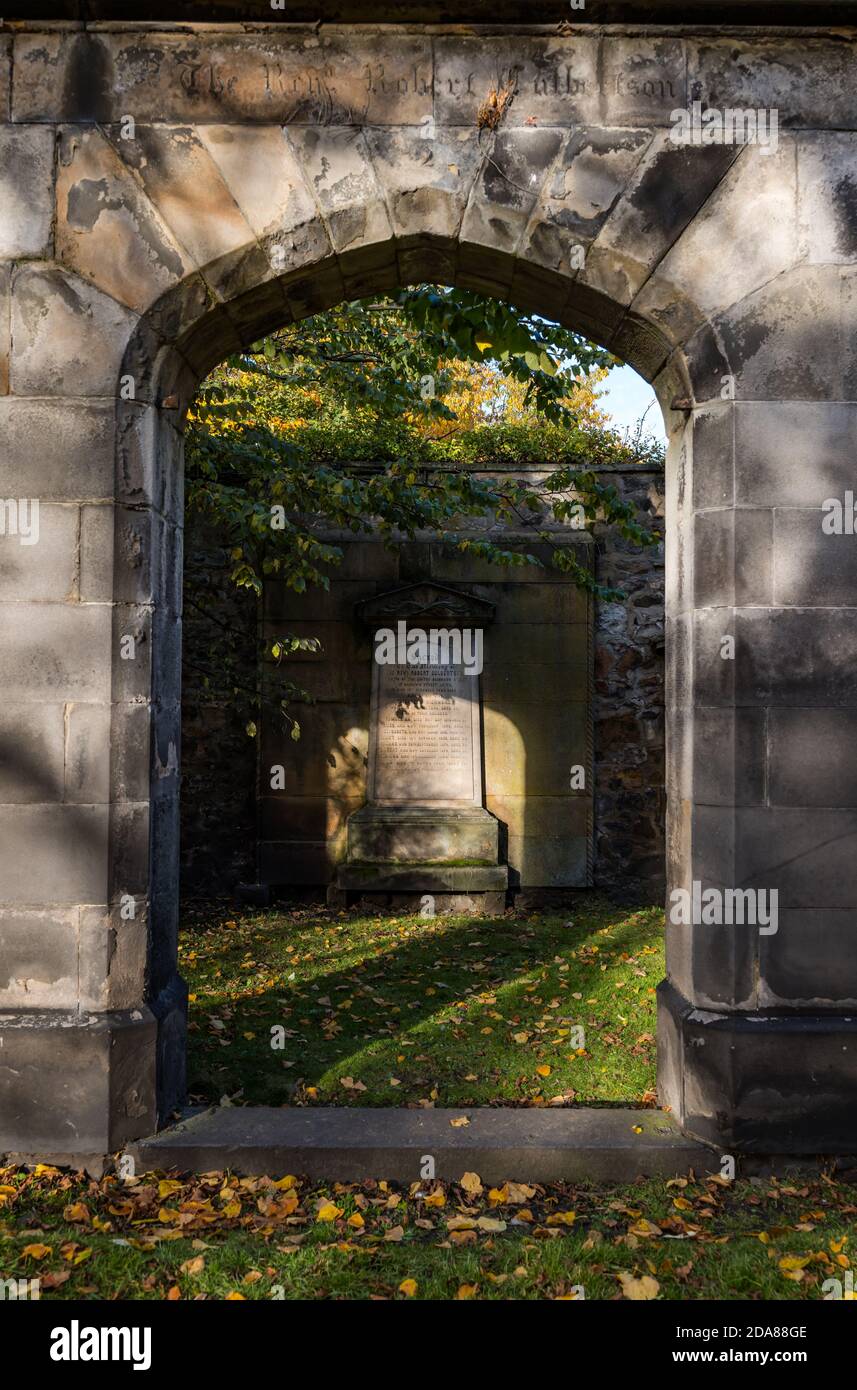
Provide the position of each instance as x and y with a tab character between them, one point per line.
378	1010
453	1011
213	1237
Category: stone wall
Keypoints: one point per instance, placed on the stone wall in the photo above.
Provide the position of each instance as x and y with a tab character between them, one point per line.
218	788
300	834
628	703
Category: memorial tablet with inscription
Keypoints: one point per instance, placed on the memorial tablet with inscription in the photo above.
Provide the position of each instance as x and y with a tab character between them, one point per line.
424	736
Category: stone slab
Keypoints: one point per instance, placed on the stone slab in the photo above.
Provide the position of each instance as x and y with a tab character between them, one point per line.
378	834
423	878
424	744
350	1145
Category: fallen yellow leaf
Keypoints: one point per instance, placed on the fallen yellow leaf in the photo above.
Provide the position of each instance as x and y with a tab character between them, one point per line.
472	1184
328	1212
638	1290
37	1251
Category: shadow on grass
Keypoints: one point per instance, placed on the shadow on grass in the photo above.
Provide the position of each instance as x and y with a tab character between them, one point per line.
436	1010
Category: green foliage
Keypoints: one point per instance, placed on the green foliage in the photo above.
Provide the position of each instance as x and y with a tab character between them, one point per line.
275	434
541	355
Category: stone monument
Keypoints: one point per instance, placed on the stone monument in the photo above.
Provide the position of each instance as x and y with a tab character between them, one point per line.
424	831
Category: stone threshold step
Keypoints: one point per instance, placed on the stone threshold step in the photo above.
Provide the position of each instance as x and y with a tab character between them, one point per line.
348	1145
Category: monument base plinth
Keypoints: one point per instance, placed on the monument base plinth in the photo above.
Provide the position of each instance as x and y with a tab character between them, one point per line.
401	834
466	888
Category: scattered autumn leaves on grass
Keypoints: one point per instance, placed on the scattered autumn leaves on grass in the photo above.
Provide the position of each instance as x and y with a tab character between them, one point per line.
398	1010
645	1244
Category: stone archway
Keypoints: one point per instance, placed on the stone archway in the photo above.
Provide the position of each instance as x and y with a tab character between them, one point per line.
168	196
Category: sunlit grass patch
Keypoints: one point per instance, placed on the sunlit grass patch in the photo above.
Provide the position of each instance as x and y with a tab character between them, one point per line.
376	1010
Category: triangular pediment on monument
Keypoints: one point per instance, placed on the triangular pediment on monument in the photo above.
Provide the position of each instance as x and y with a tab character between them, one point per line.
425	603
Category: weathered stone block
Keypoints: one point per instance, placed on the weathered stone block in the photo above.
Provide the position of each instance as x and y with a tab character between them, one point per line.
811	961
261	173
508	186
314	818
131	750
805	79
88	753
336	604
26	190
339	671
382	833
123	555
96	553
794	453
174	319
733	558
541	815
76	1085
131	653
149	458
643	79
555	81
591	172
766	1084
332	758
507	683
812	569
55	652
56	449
532	748
338	168
32	752
757	189
130	845
713	465
40	565
297	862
670	185
427	176
423	878
811	760
112	960
53	854
788	340
5	326
208	342
108	231
517	644
536	604
5	75
708	366
39	954
272	77
729	757
555	862
69	338
827	188
811	860
185	185
167	656
782	657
